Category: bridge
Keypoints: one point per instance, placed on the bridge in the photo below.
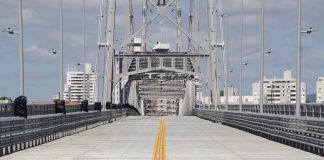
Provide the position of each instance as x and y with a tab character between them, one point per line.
151	106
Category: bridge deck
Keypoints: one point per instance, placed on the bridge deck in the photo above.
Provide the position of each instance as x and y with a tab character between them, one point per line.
186	138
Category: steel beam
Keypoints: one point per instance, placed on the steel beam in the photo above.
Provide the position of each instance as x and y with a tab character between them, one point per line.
111	9
153	54
211	9
179	34
144	14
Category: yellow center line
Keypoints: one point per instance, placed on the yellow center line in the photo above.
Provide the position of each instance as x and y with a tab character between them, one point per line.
163	141
159	148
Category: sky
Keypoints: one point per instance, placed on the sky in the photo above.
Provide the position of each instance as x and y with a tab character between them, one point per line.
41	33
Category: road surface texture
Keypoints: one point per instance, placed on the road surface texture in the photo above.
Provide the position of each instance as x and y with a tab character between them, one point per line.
186	138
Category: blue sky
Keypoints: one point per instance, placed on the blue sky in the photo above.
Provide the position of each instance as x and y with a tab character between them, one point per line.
41	32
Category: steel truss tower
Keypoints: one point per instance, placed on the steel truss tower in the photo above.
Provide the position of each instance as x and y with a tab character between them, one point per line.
152	79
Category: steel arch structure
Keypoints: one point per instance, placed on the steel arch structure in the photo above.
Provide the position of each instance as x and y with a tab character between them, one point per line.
138	75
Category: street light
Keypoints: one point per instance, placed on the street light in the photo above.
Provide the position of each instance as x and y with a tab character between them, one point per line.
298	66
54	51
83	49
245	61
262	57
269	51
10	31
83	80
309	30
21	50
241	55
61	50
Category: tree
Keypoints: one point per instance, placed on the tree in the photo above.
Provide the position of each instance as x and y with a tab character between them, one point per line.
5	98
221	93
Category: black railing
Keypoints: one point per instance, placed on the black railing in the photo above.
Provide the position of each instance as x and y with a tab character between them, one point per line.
7	110
313	110
21	133
303	133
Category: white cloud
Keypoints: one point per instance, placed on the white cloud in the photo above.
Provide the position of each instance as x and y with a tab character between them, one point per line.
37	53
75	40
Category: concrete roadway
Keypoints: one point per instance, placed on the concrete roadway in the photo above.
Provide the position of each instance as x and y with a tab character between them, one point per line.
187	138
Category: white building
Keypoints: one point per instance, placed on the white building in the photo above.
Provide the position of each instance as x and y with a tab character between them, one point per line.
236	100
137	44
73	90
231	91
280	90
233	98
320	90
6	101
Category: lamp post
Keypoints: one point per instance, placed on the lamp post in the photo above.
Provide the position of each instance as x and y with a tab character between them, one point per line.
298	66
227	71
245	62
83	49
241	57
54	51
10	31
269	51
262	57
61	49
21	51
298	69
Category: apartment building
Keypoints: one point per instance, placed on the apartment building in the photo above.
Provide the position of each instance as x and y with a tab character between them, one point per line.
73	90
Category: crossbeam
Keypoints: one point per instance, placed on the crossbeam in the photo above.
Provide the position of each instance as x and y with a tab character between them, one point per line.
155	54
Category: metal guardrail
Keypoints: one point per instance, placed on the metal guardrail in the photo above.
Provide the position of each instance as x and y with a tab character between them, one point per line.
7	110
304	133
315	110
21	133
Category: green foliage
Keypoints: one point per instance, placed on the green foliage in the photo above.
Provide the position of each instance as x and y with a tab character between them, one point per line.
5	98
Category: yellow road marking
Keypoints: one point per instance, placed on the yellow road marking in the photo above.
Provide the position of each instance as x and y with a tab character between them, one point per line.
163	141
159	148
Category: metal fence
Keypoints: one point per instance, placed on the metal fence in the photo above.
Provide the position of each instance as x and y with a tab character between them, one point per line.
7	110
303	133
21	133
314	110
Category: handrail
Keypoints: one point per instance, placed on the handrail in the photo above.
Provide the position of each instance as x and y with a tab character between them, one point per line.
306	133
314	110
19	133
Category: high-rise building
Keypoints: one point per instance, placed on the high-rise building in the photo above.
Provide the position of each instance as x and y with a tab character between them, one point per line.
280	90
320	90
231	90
73	90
